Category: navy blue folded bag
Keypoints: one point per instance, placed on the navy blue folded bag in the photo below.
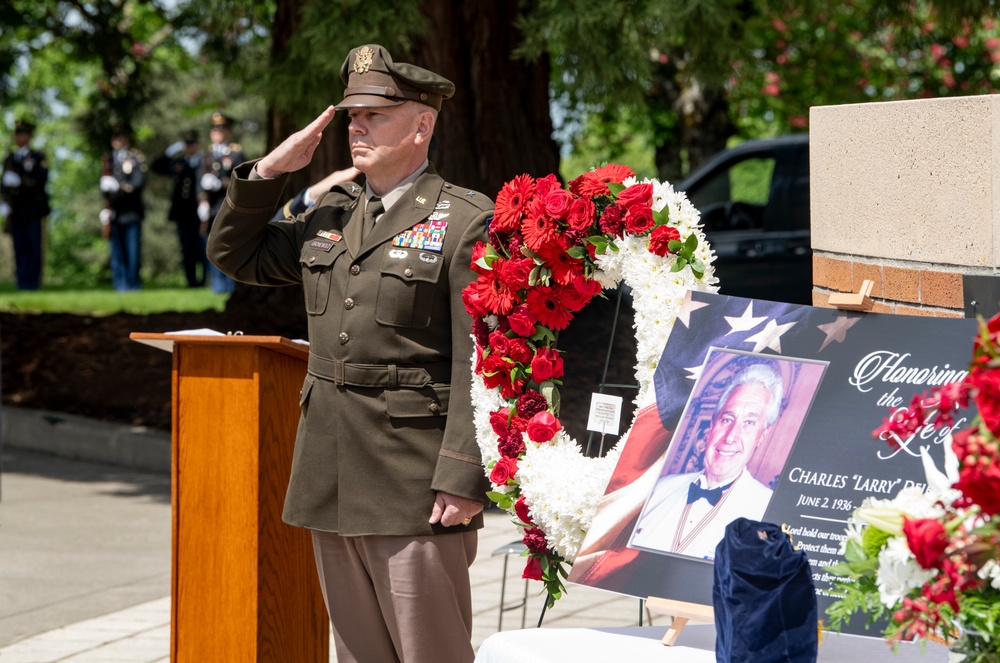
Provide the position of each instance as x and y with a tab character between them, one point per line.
764	599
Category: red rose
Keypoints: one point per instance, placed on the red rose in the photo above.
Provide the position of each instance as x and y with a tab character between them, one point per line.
639	219
637	194
504	470
927	540
498	421
987	386
557	203
521	321
478	251
532	570
546	365
981	484
543	426
659	240
474	304
499	343
515	272
581	215
546	185
522	510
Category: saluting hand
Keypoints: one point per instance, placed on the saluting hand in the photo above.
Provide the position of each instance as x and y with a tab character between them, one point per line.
453	510
296	151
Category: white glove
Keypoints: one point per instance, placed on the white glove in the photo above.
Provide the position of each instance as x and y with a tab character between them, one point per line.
204	210
10	178
209	182
109	184
4	209
105	216
174	149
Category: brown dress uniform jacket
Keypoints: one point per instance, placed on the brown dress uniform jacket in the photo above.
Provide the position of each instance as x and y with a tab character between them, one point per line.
386	407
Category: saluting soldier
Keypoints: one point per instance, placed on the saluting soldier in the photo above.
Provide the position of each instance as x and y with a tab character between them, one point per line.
386	471
222	157
183	161
122	184
24	204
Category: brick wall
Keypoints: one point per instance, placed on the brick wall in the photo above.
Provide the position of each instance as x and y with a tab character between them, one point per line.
900	287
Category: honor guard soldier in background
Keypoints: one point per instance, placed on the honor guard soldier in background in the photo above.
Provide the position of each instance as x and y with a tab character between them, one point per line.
183	161
24	204
222	157
122	184
386	472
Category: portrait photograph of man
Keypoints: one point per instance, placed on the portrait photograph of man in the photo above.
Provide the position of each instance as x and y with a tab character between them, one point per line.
737	430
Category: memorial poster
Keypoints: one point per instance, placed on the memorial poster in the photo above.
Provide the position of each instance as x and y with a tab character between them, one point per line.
806	464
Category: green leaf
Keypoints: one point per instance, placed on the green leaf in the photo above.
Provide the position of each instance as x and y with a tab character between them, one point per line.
576	252
662	217
675	245
534	275
691	243
543	335
615	188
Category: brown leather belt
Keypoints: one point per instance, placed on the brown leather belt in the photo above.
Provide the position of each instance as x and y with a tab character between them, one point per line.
390	376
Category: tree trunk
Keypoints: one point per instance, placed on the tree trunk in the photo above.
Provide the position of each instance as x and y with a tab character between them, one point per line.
497	125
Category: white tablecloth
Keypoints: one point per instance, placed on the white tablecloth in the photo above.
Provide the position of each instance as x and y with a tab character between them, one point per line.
695	645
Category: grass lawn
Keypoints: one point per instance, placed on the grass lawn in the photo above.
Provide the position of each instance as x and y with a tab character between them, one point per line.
107	301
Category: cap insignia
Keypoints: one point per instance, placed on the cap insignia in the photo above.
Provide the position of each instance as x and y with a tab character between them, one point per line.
363	59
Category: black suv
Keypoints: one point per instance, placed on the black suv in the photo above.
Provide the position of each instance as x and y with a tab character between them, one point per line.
754	204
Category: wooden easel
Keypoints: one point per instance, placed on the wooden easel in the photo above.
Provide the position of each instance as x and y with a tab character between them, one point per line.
681	612
854	301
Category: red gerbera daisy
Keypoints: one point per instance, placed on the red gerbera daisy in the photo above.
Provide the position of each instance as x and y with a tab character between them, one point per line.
544	304
564	268
512	202
495	294
595	182
538	228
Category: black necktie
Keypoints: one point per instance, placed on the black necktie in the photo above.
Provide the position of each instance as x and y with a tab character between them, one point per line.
372	210
713	495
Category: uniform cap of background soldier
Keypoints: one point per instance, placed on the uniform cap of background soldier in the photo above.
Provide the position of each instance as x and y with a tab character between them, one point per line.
221	121
190	136
373	80
23	127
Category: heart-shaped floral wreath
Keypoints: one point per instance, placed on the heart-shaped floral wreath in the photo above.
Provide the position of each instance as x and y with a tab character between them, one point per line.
550	251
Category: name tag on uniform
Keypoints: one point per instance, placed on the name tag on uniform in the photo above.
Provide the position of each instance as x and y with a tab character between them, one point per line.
426	236
321	244
329	235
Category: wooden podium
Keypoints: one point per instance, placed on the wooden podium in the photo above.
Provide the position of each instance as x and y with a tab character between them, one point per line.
243	583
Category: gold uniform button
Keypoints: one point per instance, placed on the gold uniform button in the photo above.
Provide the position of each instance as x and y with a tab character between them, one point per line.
408	272
355	270
348	303
344	338
312	258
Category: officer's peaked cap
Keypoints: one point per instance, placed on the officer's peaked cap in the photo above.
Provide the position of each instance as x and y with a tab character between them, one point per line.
221	121
373	80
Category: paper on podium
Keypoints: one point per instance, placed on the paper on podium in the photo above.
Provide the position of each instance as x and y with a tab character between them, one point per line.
163	344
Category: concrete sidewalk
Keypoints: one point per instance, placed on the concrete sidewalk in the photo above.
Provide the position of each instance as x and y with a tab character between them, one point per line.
85	550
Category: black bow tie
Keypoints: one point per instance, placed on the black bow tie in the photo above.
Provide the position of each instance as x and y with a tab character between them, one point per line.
713	495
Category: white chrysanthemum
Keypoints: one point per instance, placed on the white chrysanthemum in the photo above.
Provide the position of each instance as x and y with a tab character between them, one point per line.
561	485
898	572
991	571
